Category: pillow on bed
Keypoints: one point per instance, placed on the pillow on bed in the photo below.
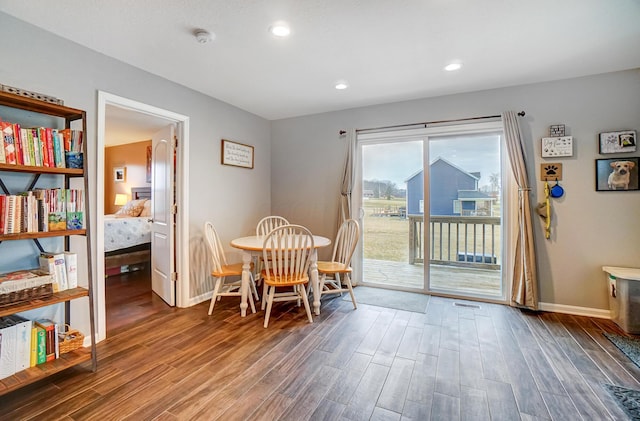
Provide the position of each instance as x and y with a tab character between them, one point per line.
131	208
146	210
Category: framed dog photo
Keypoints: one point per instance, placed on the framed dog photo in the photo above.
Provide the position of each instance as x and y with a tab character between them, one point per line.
616	142
617	174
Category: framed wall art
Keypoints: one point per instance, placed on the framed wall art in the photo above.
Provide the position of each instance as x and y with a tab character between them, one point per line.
119	174
617	174
616	142
236	154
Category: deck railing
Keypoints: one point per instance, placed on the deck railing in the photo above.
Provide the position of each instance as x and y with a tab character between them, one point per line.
457	240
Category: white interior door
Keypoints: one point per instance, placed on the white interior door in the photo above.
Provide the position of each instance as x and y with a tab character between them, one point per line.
163	223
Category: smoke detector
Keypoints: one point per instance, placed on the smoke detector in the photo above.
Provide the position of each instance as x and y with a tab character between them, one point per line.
203	36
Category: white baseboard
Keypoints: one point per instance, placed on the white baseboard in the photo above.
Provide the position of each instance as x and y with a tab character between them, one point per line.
577	311
200	298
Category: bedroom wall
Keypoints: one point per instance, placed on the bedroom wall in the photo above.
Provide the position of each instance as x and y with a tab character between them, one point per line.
590	229
42	62
132	156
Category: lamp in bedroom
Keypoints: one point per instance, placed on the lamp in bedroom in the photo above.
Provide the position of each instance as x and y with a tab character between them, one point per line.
121	199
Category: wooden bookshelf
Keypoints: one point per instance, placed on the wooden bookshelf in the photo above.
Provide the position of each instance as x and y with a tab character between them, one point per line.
35	169
33	235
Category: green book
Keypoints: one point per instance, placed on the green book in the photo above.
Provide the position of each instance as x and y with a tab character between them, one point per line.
42	346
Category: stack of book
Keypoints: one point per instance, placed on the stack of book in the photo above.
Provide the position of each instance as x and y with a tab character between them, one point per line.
41	211
27	343
38	146
63	266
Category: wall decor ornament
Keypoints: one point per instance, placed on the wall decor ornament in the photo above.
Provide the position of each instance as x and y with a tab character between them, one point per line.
236	154
619	141
617	174
119	174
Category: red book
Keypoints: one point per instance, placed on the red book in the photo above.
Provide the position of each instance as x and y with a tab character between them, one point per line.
9	142
44	151
49	136
17	136
50	334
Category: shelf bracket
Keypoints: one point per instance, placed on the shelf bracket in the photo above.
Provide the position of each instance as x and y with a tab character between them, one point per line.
4	188
36	177
35	240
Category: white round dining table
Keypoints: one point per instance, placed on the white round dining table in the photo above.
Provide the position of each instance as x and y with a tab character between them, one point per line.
252	246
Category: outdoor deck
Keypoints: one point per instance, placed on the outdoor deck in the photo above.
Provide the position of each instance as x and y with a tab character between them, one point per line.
465	280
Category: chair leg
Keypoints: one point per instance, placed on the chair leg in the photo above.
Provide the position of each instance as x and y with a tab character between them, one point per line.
347	279
265	291
305	299
216	289
272	293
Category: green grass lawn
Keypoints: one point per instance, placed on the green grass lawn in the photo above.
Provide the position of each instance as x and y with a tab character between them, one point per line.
387	237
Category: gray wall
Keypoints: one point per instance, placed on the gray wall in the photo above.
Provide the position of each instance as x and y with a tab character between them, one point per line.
590	229
232	198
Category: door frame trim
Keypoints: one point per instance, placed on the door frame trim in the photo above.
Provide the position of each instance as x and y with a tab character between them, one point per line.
182	199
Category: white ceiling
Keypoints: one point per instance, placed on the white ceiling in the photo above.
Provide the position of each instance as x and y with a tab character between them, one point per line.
388	50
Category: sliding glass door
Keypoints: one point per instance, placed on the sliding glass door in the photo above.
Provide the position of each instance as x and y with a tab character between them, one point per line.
455	176
387	167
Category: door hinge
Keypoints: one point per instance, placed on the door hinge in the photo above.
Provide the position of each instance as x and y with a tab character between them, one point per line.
174	276
175	142
174	209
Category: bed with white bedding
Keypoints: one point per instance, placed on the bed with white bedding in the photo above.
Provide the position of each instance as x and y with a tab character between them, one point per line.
127	239
121	233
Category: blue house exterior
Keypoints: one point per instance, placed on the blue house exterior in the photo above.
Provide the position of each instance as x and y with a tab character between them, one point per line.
453	191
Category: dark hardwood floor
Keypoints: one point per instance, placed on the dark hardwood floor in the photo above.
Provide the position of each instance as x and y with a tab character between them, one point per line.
129	299
450	363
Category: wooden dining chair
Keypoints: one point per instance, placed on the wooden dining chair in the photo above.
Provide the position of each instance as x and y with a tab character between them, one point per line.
335	274
264	227
269	223
286	253
221	270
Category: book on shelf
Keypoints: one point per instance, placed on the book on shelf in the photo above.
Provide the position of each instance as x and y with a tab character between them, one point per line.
33	349
54	264
71	265
74	206
17	138
41	333
8	335
9	142
50	337
23	342
58	149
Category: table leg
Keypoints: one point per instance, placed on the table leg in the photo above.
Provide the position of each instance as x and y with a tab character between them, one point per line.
315	282
244	286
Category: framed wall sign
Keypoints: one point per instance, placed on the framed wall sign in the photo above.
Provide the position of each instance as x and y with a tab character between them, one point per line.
237	154
615	142
555	147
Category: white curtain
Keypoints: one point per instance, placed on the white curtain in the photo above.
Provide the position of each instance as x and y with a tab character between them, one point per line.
348	179
524	291
345	210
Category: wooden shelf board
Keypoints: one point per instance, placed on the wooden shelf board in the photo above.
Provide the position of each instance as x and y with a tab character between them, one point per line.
32	235
36	169
39	372
57	297
30	104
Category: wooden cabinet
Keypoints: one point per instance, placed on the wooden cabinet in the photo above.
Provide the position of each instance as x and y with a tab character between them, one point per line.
67	116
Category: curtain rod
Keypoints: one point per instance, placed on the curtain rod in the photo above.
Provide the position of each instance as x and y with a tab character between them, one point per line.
426	123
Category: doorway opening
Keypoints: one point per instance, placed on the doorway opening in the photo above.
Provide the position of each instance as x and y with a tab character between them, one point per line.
129	121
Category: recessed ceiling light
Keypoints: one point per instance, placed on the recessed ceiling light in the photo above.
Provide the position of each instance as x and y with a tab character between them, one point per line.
280	29
453	66
341	84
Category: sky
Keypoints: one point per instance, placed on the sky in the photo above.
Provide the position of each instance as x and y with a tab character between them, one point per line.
398	161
